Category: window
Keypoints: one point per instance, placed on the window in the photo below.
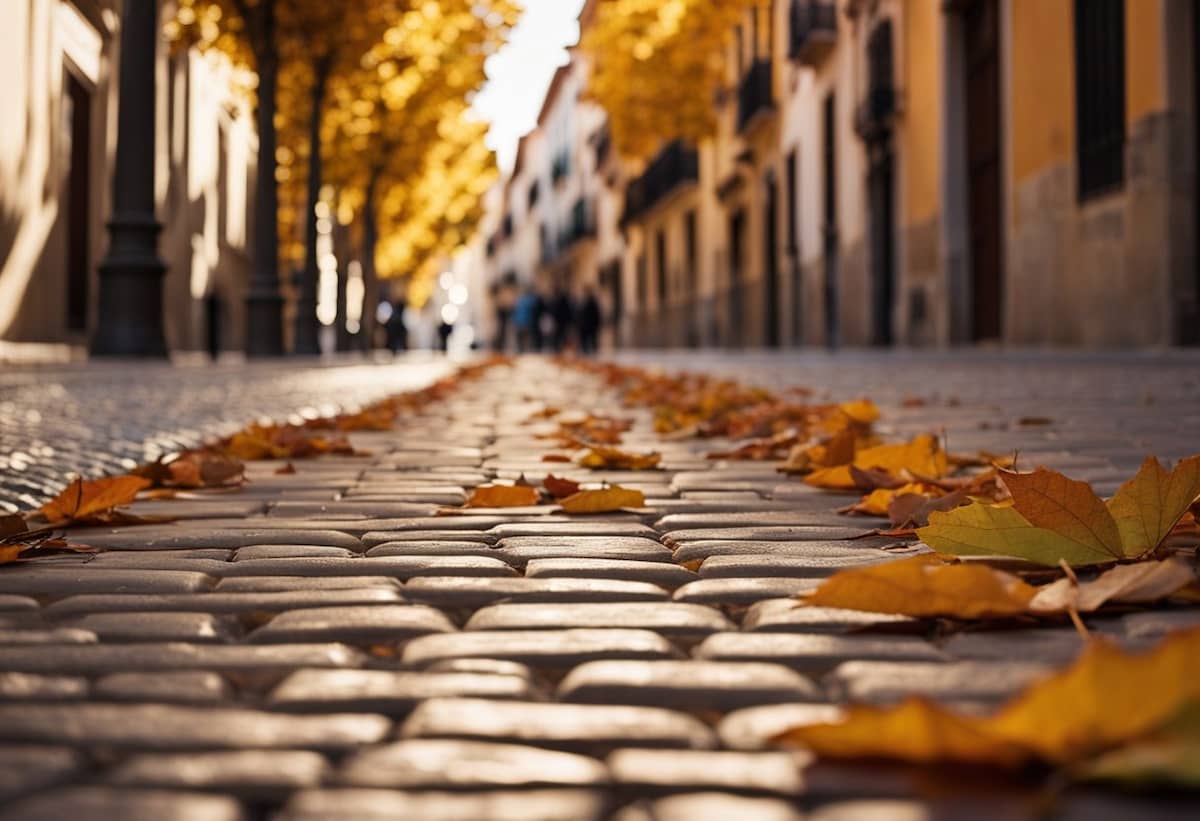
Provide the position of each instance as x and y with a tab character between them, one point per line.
793	205
1100	95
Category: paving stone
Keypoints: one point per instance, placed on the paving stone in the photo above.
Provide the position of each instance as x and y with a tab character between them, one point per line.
815	653
363	804
48	636
63	581
137	538
557	649
522	549
169	727
711	806
767	566
753	728
164	687
256	774
488	666
470	593
1158	624
663	574
376	538
387	691
33	687
434	548
116	658
740	591
1044	645
412	492
668	619
10	603
464	524
345	507
372	623
266	602
439	764
400	567
289	551
592	729
962	681
589	527
97	802
700	685
789	615
766	518
851	550
1109	806
279	584
160	626
777	533
27	768
686	770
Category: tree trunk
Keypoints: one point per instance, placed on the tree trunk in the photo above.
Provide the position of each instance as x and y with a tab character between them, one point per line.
306	340
264	303
370	280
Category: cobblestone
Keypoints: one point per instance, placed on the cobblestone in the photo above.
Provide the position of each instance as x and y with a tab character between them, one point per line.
326	645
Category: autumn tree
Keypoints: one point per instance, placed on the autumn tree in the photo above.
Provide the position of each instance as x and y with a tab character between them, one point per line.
658	67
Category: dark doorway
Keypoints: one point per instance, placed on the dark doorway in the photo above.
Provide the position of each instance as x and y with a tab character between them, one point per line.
829	232
1189	333
737	251
881	183
793	246
77	116
771	261
981	31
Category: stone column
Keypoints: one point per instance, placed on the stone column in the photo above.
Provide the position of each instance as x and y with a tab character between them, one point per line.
131	275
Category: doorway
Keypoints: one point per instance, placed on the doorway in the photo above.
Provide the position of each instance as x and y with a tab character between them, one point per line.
829	238
981	26
737	231
77	121
771	262
881	176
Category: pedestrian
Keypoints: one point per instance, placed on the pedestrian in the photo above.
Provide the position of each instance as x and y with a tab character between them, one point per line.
397	331
563	313
589	322
527	316
504	298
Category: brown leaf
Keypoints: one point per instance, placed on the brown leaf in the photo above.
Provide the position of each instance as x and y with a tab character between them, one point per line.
12	524
85	498
603	501
556	457
286	470
503	496
560	488
606	457
1139	583
197	469
1069	507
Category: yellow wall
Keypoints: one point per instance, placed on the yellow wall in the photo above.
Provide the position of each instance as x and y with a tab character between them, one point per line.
1043	85
1145	88
922	117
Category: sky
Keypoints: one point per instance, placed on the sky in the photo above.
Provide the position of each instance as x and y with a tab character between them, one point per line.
520	73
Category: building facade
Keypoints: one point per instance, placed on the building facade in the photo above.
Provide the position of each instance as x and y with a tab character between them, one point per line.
57	148
912	172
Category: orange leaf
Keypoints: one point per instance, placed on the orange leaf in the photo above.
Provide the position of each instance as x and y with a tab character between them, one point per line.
503	496
556	457
1069	507
603	501
606	457
83	498
560	488
12	524
1148	505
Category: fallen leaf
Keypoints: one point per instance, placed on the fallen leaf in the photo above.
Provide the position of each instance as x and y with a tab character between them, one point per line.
1170	756
921	455
10	552
603	501
285	470
12	524
83	499
503	496
980	529
1034	421
558	487
925	586
1070	508
860	411
601	456
556	457
913	509
1138	583
1148	505
197	469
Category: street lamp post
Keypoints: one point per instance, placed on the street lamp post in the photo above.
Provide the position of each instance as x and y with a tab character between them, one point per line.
131	275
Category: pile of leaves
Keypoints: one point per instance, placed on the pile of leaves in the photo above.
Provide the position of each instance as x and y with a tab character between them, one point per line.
565	493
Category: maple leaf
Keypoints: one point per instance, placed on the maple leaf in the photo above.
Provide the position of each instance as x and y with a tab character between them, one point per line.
86	499
558	487
921	455
603	501
601	456
1054	519
503	496
924	586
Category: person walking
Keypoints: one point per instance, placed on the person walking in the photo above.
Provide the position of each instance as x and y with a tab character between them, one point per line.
589	322
563	313
527	316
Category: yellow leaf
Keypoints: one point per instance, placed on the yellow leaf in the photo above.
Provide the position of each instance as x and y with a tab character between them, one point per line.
915	730
1047	499
922	456
981	529
504	496
1137	583
1170	756
601	456
924	586
1148	505
862	411
84	498
603	501
10	552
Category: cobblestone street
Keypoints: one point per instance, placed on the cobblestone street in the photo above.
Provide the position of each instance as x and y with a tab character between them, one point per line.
322	645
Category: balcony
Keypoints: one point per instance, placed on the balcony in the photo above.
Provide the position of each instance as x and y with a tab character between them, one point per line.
674	167
876	114
814	31
754	93
580	227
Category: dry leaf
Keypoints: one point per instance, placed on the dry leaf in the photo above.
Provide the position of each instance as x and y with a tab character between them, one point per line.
84	499
601	456
603	501
285	470
503	496
921	455
556	457
924	586
1138	583
1148	505
12	524
558	487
